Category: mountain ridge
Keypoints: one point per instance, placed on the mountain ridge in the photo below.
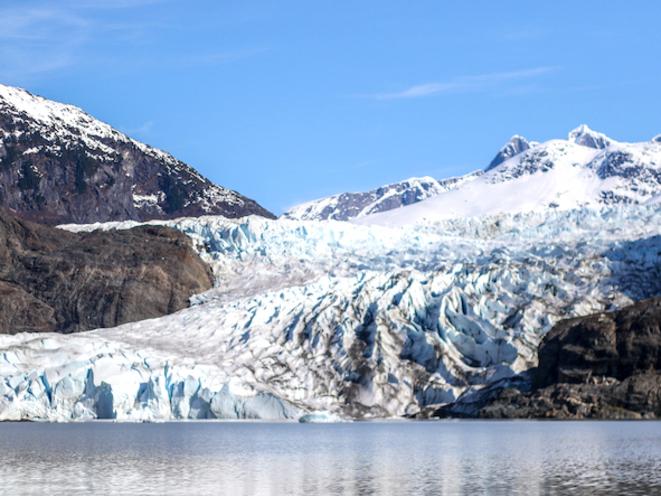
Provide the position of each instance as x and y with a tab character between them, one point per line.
344	206
588	169
59	164
604	171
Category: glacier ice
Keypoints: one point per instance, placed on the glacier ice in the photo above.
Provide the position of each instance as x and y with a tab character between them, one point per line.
356	321
319	418
81	377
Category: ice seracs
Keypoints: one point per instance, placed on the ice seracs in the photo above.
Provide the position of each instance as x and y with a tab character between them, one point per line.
50	377
356	321
319	418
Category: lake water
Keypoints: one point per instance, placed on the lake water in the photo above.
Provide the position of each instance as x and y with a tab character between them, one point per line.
462	457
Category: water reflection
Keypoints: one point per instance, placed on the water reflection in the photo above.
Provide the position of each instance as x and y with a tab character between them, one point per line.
362	458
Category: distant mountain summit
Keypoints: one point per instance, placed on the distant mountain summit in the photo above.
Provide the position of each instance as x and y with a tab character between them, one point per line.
517	144
588	169
59	164
585	136
347	206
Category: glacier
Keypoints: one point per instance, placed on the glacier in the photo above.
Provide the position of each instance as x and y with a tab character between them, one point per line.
327	319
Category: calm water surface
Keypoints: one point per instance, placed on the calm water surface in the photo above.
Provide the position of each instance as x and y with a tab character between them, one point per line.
359	458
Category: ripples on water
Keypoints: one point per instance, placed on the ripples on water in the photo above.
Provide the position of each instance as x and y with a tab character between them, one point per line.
359	458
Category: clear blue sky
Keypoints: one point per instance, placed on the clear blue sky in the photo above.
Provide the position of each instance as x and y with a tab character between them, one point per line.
291	100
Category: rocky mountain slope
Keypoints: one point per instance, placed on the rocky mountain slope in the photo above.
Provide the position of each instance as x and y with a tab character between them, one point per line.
606	365
587	169
59	164
517	144
53	280
347	206
359	321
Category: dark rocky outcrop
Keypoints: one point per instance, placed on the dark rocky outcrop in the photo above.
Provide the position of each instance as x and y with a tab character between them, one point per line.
615	345
60	165
517	144
605	366
55	280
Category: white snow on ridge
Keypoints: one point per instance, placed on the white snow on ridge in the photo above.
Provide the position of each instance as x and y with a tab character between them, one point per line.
354	321
586	169
69	121
62	123
353	205
564	186
585	136
63	120
558	174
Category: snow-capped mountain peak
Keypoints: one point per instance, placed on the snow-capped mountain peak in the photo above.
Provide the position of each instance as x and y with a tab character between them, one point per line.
516	144
589	169
585	136
60	164
54	113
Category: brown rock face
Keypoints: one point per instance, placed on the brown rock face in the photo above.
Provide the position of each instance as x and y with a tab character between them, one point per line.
605	366
54	280
615	345
636	397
